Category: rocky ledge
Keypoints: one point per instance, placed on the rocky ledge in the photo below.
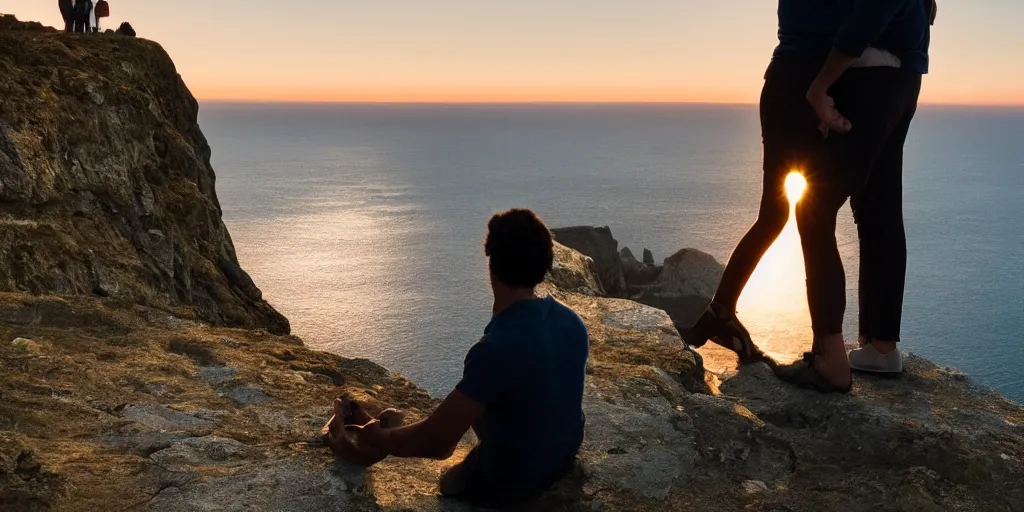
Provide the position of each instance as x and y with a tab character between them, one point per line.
145	372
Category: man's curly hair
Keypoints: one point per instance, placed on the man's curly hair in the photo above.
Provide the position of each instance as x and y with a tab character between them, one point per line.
520	248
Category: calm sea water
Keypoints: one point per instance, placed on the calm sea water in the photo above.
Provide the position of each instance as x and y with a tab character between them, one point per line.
363	223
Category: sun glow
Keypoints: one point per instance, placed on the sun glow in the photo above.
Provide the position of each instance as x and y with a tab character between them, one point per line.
795	187
774	303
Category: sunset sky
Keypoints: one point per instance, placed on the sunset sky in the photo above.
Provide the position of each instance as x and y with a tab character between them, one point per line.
524	50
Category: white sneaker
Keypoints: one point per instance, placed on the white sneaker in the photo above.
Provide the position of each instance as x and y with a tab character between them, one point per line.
869	359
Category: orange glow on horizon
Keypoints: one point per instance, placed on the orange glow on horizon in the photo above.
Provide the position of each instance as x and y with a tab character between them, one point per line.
459	95
459	51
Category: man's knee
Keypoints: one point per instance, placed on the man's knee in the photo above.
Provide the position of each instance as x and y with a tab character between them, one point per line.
772	218
816	215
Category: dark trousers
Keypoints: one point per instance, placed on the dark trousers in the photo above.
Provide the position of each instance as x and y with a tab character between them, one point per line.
81	15
864	165
67	12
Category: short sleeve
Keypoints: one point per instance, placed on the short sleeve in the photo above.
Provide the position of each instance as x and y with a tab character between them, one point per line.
486	373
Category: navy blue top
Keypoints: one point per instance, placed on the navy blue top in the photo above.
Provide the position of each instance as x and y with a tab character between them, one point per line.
528	371
811	28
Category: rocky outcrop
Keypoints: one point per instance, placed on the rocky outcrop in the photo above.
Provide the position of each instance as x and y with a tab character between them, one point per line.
106	187
682	286
637	274
599	245
154	403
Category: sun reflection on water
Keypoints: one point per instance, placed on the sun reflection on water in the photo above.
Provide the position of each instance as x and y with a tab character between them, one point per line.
773	305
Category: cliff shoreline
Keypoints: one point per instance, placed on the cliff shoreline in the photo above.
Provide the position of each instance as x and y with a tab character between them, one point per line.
141	369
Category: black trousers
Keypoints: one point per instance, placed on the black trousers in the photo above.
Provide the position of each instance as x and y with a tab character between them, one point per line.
864	165
67	12
83	8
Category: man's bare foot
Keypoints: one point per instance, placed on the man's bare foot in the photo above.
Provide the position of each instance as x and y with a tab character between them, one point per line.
391	418
831	361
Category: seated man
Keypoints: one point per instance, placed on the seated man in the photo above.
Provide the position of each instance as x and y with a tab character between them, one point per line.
521	389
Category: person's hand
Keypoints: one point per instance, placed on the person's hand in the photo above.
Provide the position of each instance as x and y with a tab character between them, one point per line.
935	11
359	444
829	119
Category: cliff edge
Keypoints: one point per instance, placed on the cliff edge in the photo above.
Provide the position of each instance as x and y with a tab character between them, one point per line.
140	368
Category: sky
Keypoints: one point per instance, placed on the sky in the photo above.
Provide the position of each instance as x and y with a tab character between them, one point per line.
524	50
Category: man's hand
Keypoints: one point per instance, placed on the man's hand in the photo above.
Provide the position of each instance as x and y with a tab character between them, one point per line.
363	445
935	11
825	108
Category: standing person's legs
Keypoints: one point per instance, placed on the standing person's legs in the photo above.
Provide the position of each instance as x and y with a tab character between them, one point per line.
878	211
875	100
81	17
771	220
67	13
826	279
788	131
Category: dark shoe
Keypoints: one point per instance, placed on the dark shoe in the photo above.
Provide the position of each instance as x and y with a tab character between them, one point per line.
803	374
722	327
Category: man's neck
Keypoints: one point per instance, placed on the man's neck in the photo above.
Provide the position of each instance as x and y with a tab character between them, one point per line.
504	299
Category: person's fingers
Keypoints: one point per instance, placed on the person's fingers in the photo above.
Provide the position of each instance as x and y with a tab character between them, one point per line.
835	121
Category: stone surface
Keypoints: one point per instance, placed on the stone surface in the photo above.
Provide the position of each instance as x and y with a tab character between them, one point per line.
27	346
599	245
155	403
574	272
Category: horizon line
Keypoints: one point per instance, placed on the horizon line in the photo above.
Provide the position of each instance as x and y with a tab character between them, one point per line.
551	102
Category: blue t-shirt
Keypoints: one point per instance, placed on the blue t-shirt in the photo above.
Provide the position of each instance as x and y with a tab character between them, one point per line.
528	371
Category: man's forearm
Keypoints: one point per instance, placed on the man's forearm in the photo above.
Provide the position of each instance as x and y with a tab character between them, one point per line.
836	64
417	440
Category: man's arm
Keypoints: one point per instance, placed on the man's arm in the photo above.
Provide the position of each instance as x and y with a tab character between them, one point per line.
869	21
435	437
817	95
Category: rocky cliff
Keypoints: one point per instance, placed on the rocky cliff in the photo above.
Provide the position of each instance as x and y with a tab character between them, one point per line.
139	378
106	187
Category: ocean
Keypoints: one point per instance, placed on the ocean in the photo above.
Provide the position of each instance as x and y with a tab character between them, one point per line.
363	224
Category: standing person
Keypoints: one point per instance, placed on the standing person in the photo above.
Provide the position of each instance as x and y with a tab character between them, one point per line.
521	389
876	192
791	143
67	12
82	14
100	10
871	109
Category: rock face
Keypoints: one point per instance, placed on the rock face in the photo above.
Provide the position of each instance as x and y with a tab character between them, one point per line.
110	404
682	286
106	184
599	245
637	274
